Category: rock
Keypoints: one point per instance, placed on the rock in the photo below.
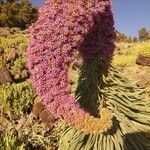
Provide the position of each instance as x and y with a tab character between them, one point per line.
24	74
37	109
141	83
46	118
139	75
143	60
5	76
40	111
143	80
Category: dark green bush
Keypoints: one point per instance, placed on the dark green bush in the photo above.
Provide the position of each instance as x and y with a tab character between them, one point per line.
17	13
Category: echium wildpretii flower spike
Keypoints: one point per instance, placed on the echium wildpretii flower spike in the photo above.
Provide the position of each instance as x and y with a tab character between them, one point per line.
64	25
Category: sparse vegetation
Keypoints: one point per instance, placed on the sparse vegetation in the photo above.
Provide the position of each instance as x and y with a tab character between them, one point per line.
26	133
19	129
13	43
126	54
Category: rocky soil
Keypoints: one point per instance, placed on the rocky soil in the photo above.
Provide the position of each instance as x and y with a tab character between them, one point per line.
140	75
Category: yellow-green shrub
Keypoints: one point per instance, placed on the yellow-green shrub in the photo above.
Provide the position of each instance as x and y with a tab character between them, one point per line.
127	54
16	98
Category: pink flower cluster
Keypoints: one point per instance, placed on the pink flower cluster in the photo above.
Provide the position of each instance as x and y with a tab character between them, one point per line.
64	25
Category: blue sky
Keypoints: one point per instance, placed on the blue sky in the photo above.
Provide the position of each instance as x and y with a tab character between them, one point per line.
130	15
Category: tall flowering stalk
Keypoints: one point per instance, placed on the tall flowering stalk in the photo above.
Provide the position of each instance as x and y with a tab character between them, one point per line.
62	26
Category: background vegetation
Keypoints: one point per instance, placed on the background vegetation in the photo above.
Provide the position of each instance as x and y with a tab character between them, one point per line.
143	36
17	13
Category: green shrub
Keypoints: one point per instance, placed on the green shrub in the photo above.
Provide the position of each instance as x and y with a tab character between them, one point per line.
16	98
